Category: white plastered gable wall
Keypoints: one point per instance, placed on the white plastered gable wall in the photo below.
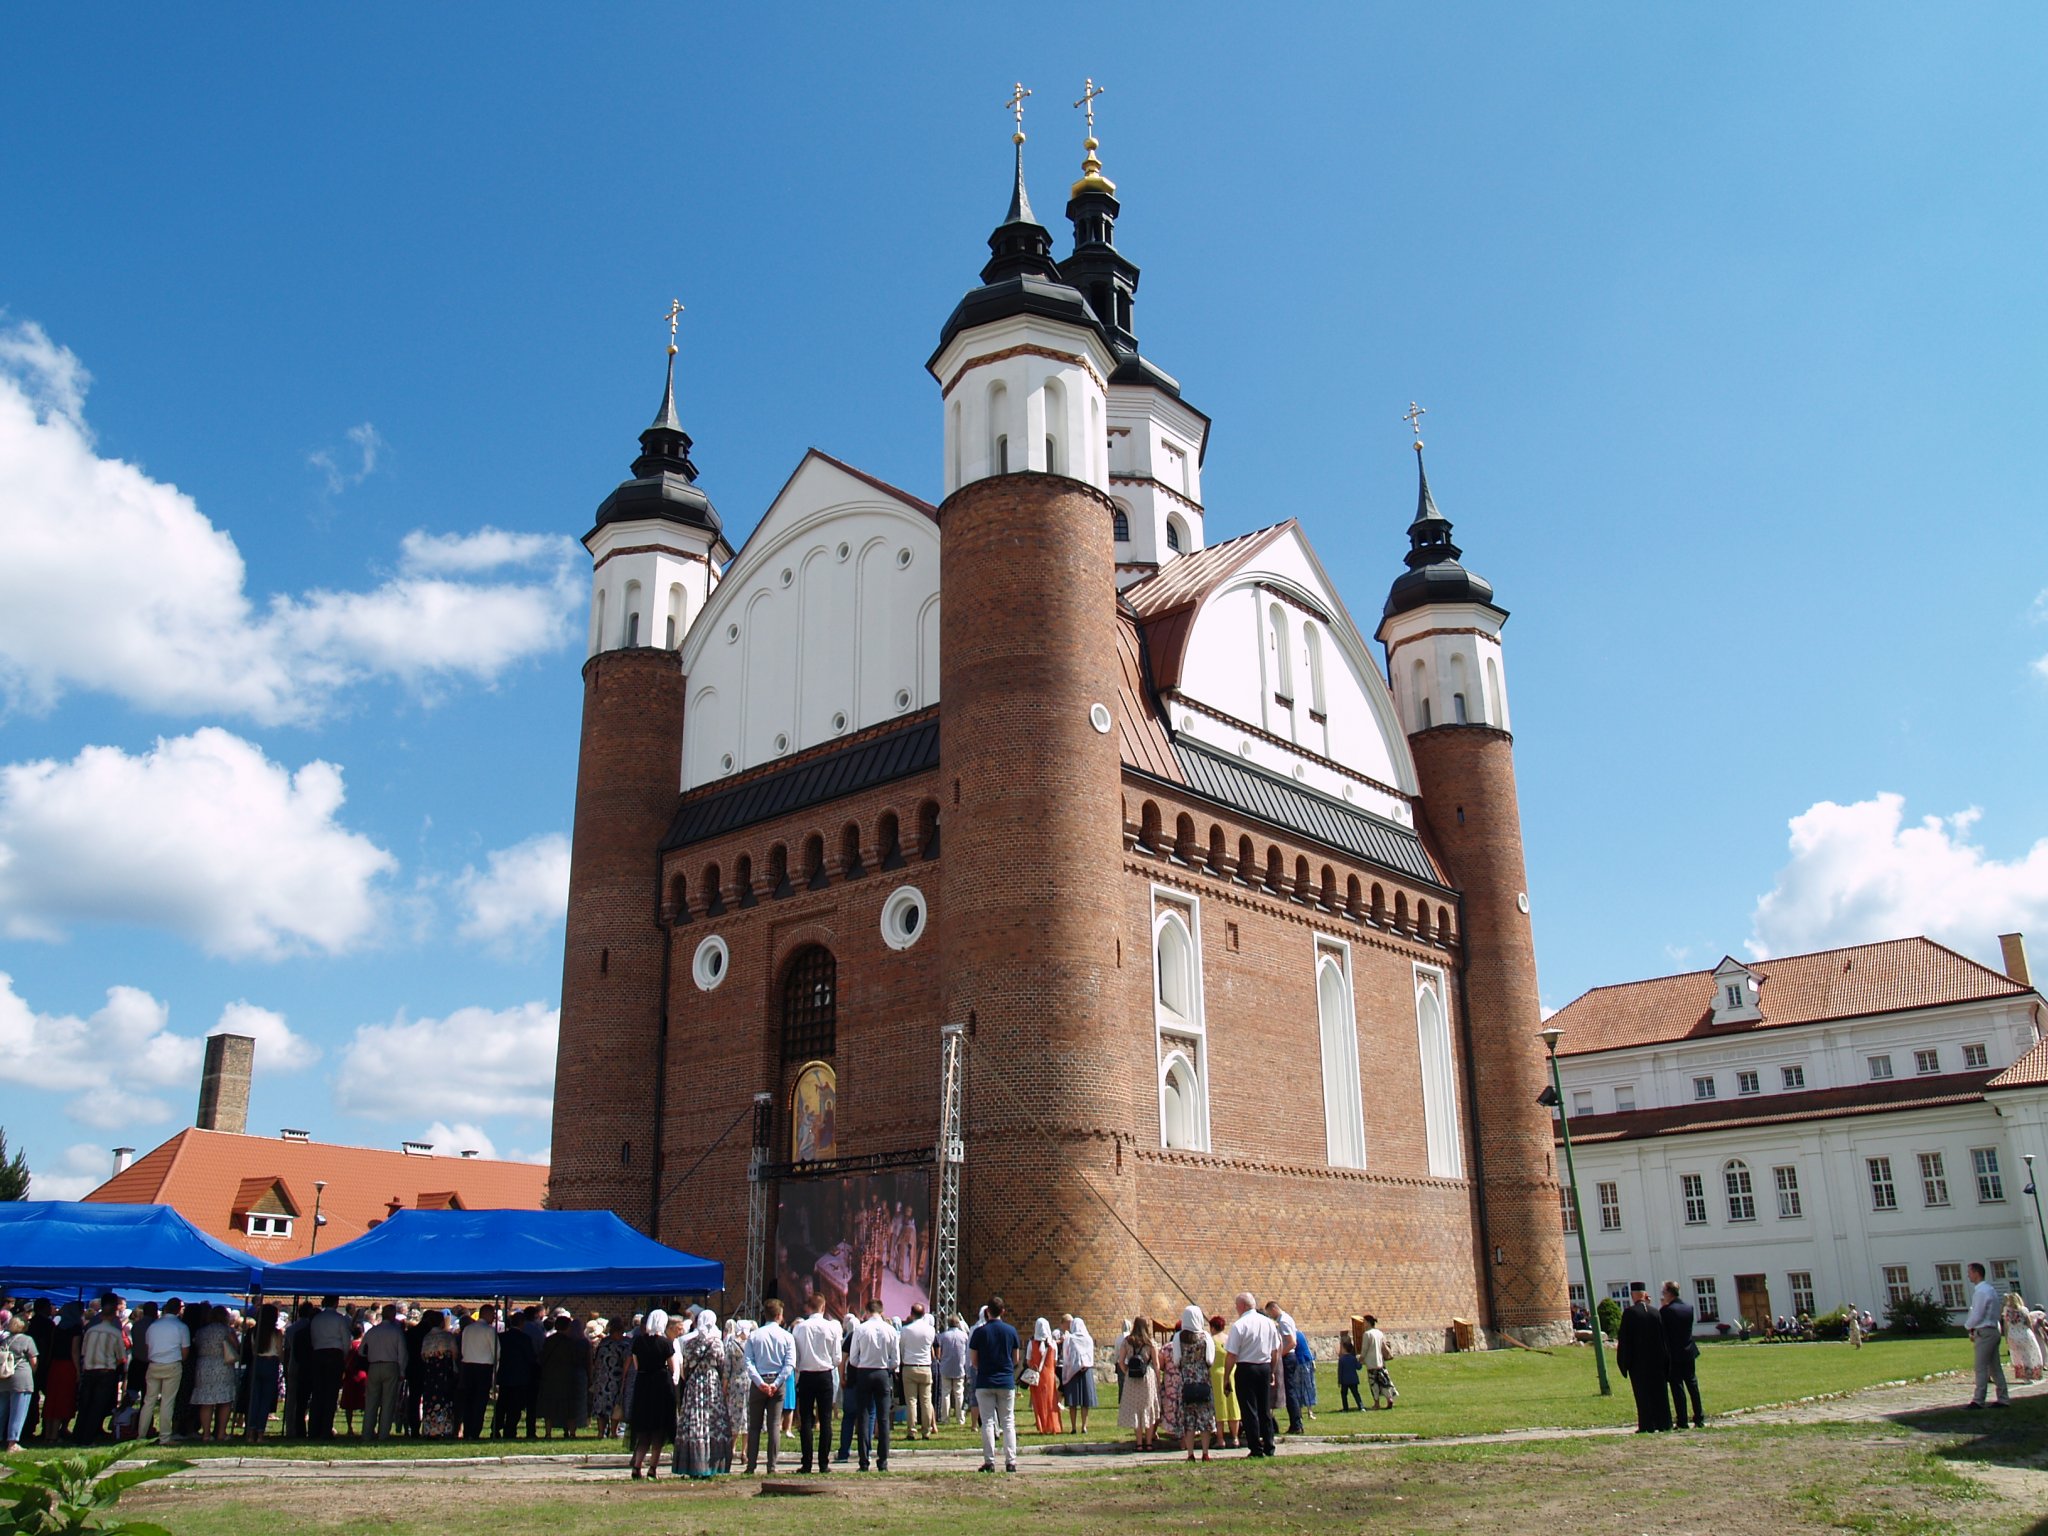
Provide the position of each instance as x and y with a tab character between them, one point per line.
1274	647
826	623
1445	664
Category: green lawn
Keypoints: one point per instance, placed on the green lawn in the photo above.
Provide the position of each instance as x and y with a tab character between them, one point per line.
1479	1393
1909	1479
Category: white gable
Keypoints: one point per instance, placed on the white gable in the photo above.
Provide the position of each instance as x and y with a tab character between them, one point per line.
825	623
1274	648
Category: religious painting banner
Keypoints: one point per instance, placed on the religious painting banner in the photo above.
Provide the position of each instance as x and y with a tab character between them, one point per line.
854	1238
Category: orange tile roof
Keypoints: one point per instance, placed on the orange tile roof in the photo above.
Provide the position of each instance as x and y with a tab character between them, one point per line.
207	1176
2030	1071
1896	976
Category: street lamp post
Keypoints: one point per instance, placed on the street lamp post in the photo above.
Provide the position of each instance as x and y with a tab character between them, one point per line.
2035	1190
1551	1036
319	1221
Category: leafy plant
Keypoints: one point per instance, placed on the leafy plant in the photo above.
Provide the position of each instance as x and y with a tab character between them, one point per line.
1916	1312
1832	1325
13	1171
1610	1317
75	1495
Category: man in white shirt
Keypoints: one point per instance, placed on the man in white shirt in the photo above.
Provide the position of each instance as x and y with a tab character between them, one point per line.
384	1353
952	1372
1373	1360
479	1346
1287	1389
168	1341
1252	1355
872	1356
817	1340
1985	1336
917	1339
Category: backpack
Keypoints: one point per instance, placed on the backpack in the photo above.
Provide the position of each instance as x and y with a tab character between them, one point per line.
1134	1368
10	1362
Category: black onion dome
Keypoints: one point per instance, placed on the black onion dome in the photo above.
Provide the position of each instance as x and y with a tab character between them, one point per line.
664	482
1434	574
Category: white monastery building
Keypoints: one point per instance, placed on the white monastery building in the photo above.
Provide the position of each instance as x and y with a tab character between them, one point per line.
1797	1134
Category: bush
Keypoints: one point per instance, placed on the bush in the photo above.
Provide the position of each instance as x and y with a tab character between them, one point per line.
1610	1316
1916	1313
1832	1325
74	1495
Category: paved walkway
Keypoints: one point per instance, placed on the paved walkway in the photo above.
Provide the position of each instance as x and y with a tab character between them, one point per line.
1871	1404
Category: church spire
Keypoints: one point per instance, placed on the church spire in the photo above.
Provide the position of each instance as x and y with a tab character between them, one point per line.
665	446
1434	574
664	481
1020	246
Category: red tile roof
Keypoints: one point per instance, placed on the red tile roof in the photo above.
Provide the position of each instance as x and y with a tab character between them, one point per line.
2030	1071
1896	976
1783	1108
207	1176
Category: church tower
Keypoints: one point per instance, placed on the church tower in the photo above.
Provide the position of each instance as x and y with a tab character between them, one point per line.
1156	439
1441	628
656	550
1028	914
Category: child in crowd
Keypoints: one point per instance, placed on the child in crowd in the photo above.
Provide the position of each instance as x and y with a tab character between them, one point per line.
1347	1374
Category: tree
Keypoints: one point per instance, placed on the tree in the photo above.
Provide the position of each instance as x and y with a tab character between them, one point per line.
13	1172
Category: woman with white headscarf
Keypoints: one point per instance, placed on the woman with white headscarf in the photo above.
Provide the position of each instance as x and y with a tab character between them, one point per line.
703	1422
1077	1374
1194	1351
651	1410
737	1331
2020	1338
1042	1364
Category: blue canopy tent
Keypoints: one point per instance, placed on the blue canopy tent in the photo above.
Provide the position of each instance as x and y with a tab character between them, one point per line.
72	1247
499	1253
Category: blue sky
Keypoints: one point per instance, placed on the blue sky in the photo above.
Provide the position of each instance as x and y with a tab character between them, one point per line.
1729	321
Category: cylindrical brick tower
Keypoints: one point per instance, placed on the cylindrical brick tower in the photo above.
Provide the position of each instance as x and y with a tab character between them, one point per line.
628	777
1444	663
655	545
1028	915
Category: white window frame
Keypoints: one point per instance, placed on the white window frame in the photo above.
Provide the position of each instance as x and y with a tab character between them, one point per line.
1879	1066
2005	1274
1884	1188
1898	1283
1582	1102
1990	1177
1785	1176
1706	1299
1926	1063
1344	1099
1792	1078
1568	1205
1741	1201
1607	1192
1976	1056
1625	1099
1704	1088
1692	1195
1949	1280
274	1225
1800	1283
1933	1179
1575	1293
1432	979
1171	905
1748	1082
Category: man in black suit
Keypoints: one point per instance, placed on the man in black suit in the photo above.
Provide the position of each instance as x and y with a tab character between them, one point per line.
1645	1360
1685	1355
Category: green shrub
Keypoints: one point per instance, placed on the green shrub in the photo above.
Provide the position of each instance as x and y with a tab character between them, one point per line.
1917	1312
74	1495
1610	1316
1832	1325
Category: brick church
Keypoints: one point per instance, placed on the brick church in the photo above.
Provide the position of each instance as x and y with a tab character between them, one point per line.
1233	913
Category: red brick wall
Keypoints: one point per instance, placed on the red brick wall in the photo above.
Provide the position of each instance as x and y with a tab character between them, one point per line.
628	776
1467	775
1030	905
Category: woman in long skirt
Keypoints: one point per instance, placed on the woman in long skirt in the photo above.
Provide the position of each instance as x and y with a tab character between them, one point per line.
1077	1374
1137	1361
1044	1358
1194	1353
736	1384
440	1354
608	1377
2020	1339
650	1379
1222	1390
1169	1385
703	1421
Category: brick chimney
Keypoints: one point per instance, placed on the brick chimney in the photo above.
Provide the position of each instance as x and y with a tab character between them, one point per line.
224	1084
2013	946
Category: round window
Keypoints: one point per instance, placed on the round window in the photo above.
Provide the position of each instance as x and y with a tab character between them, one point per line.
844	551
788	576
732	633
903	559
782	743
725	763
903	698
903	917
1098	716
711	962
839	722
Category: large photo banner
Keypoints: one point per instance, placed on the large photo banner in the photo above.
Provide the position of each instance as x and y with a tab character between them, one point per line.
852	1239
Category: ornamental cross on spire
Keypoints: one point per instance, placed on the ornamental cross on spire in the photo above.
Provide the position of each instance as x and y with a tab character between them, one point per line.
675	312
1089	91
1016	104
1413	416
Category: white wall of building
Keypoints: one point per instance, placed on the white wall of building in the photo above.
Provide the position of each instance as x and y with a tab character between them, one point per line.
1445	666
1155	475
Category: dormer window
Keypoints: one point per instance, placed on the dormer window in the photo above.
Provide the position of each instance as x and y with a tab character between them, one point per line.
1736	992
269	1226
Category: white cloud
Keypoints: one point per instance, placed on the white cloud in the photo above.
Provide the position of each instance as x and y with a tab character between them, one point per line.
82	1169
117	1061
454	1140
366	442
116	582
202	835
469	1066
522	891
1858	873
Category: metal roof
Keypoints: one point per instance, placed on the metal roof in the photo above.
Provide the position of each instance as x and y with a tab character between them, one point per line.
1283	804
856	766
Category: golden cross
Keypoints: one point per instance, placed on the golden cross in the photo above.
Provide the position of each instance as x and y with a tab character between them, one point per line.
1016	104
1089	91
675	310
1413	416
